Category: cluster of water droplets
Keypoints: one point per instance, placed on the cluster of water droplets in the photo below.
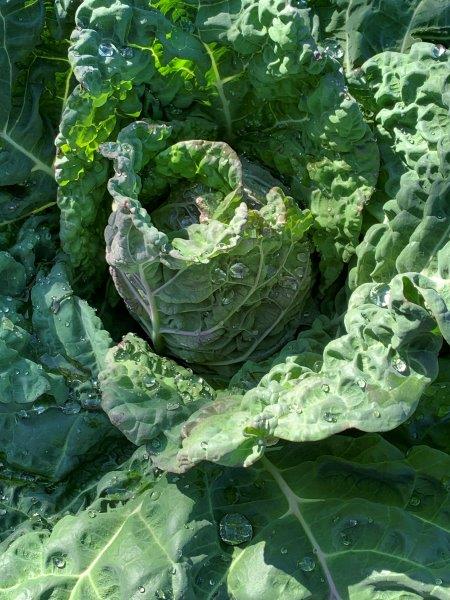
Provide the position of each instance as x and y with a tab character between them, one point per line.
108	50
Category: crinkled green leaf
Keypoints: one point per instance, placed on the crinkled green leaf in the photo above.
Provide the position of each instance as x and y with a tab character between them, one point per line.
359	29
147	396
296	521
49	396
34	80
412	106
370	379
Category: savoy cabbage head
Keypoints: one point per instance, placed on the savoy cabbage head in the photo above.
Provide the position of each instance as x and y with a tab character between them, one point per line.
219	271
253	402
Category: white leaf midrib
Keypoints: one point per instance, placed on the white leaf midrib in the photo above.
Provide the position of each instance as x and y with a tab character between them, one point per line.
294	504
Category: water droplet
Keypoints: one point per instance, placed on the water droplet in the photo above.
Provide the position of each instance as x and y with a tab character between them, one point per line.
399	365
55	306
141	589
204	445
361	383
325	387
235	529
186	221
2	512
239	270
307	563
438	50
369	520
352	522
329	417
106	49
317	55
71	408
376	414
414	501
59	562
227	298
67	323
92	514
446	483
155	495
149	381
127	52
438	581
284	550
23	414
218	275
155	444
345	539
380	295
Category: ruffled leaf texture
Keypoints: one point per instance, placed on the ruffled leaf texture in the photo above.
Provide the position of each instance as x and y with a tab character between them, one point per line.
52	347
256	73
411	106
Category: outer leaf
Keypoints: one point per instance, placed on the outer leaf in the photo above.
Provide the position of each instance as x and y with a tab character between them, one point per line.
311	510
34	79
413	124
371	379
148	397
365	27
49	392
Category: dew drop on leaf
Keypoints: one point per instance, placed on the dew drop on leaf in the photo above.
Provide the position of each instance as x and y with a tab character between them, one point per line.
227	298
399	365
235	528
55	306
239	270
307	563
289	283
380	295
284	550
60	563
106	49
127	52
345	539
325	387
329	417
218	275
